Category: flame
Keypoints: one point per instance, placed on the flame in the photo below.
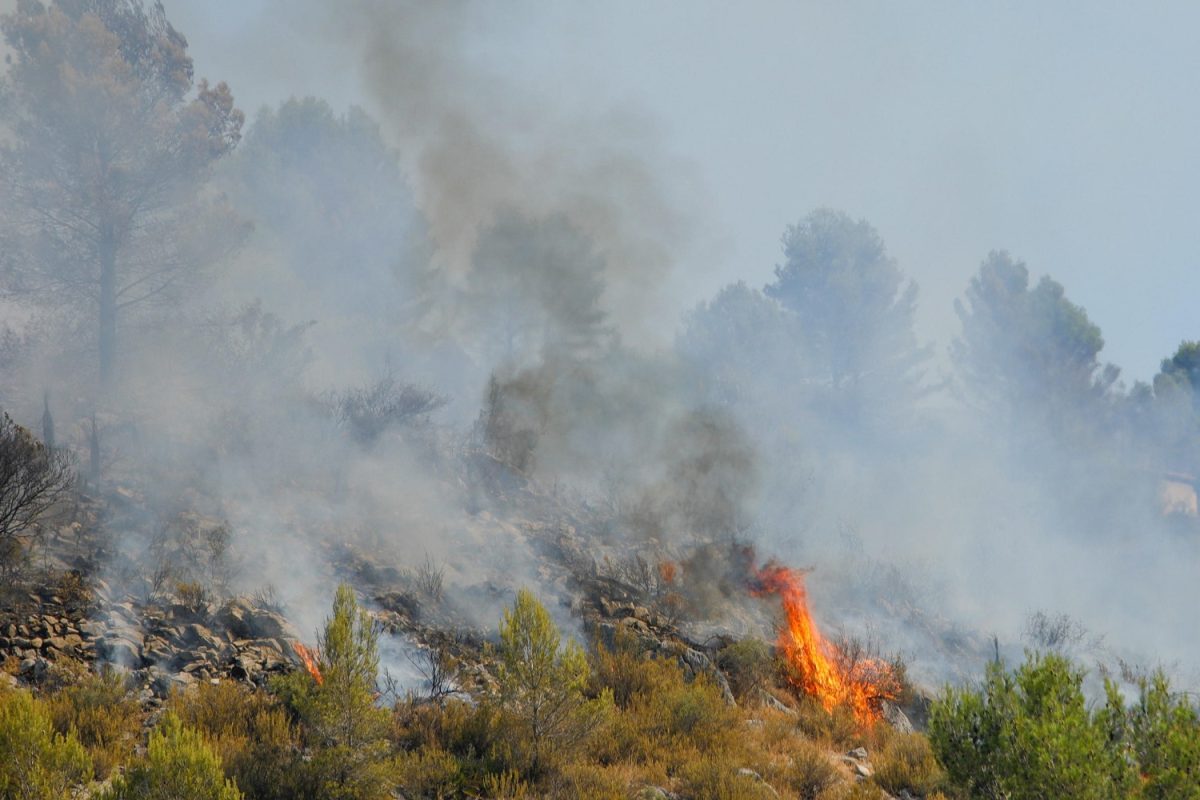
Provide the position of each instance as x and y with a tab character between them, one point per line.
667	570
820	668
309	658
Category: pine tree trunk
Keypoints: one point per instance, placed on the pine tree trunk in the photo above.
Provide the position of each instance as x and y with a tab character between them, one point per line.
108	306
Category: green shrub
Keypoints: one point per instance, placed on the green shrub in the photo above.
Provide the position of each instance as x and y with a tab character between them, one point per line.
178	765
251	733
1163	731
104	715
542	687
429	772
1028	735
35	762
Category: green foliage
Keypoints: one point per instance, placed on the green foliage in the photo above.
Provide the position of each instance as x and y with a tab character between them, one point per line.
347	734
1029	734
251	733
1026	350
101	712
855	312
542	686
715	778
178	765
429	772
35	762
1163	731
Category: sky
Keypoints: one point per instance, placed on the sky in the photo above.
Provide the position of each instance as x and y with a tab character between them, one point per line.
1063	132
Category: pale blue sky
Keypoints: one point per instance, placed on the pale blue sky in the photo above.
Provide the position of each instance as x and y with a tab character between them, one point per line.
1065	132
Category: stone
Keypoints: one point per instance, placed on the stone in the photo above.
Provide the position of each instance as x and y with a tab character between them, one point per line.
894	716
859	753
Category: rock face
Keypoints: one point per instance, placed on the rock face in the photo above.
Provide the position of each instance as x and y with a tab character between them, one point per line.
167	643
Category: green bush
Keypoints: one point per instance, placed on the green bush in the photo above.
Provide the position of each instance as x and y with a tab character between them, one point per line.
429	772
101	711
1029	735
35	762
178	765
1164	733
251	733
542	687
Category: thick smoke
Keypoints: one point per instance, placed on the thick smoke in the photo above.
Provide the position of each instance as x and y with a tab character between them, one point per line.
482	245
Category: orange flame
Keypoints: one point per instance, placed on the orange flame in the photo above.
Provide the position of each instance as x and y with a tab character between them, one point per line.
309	657
821	669
667	570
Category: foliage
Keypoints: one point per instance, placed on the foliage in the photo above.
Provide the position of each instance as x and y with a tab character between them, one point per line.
1028	351
178	765
714	778
1163	732
368	411
35	762
854	310
251	733
99	710
1029	734
33	478
811	771
107	147
749	664
351	756
907	763
541	686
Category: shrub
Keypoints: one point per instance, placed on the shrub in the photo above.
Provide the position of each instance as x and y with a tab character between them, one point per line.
710	778
35	762
251	734
1030	735
1163	731
811	772
101	711
178	766
542	687
907	763
749	664
347	733
584	781
33	477
429	772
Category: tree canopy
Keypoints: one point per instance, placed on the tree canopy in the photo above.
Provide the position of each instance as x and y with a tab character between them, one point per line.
108	142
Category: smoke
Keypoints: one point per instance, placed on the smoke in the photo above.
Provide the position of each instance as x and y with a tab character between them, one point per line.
487	243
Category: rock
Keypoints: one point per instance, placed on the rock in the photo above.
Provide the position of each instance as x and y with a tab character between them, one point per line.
862	770
34	668
893	716
746	772
858	753
656	793
772	702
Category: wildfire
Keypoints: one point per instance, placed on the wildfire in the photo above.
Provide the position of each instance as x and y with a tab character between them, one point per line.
308	657
820	668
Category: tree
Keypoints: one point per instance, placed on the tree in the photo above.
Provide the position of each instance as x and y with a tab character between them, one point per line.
542	683
535	289
179	765
107	147
35	763
347	732
1028	353
854	310
32	479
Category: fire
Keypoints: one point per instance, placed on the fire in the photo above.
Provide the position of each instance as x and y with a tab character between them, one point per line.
820	668
309	657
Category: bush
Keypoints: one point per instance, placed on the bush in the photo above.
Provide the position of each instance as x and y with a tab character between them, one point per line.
584	781
178	766
749	665
1028	735
542	687
429	772
907	763
251	734
711	778
101	711
35	762
33	477
811	771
